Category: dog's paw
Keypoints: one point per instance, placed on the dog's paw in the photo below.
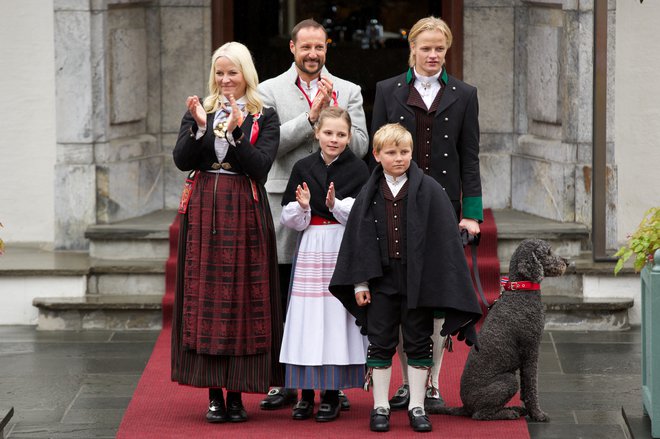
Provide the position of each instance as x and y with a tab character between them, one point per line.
539	416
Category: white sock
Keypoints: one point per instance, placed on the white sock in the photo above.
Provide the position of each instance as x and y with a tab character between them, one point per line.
438	352
381	387
403	359
417	379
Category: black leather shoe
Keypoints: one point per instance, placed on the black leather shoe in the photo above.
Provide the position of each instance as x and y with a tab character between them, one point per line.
236	412
433	400
217	412
344	403
328	412
279	397
418	420
302	410
380	419
401	398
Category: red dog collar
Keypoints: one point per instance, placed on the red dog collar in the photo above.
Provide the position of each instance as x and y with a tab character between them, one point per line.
520	285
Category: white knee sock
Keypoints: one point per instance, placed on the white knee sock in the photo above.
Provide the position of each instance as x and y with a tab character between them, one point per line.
417	379
381	387
403	359
438	352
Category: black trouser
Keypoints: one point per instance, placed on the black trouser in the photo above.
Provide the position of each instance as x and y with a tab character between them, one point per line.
384	315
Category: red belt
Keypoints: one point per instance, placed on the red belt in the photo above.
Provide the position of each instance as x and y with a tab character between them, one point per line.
320	221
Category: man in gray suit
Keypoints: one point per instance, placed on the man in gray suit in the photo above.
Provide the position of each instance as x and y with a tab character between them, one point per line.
298	95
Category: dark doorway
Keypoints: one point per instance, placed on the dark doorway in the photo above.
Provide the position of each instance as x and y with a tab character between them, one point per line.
367	39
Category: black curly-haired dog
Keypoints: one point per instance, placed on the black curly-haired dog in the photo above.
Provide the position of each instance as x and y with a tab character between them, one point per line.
509	341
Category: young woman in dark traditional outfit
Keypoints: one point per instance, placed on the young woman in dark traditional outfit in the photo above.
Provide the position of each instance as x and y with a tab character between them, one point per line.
322	347
227	323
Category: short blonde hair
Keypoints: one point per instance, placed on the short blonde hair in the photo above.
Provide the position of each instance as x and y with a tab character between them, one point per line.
428	23
240	56
392	133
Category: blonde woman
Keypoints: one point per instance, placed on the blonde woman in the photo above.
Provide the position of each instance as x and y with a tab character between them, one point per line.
227	323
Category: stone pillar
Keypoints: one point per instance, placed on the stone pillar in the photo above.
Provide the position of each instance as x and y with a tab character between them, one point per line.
185	64
488	64
76	47
124	68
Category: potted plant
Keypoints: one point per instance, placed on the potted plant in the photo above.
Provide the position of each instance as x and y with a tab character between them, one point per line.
643	242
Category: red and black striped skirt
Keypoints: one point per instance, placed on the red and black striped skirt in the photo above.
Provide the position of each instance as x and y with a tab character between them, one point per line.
227	323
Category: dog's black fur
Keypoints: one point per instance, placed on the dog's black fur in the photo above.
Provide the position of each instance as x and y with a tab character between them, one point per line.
509	341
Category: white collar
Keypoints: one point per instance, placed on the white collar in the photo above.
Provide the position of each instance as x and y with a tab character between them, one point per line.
395	180
333	160
242	101
427	79
313	84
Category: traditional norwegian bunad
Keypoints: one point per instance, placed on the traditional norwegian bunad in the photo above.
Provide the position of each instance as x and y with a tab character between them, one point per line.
322	346
227	323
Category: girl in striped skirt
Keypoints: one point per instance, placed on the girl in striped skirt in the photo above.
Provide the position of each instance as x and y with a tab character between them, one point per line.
227	322
322	347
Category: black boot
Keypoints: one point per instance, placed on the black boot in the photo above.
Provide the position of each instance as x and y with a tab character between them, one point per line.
217	412
304	409
419	421
380	419
235	410
401	398
330	407
279	397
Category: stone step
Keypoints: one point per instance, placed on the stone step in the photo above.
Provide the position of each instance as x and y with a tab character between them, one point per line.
129	277
585	314
119	312
567	239
135	238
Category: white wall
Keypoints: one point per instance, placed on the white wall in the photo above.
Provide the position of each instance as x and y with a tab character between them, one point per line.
637	113
27	120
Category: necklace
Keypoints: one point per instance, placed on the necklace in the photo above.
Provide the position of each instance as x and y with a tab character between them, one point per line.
221	128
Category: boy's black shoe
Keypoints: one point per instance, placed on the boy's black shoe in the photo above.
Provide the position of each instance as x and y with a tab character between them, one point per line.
279	397
217	412
418	420
236	412
401	398
380	419
302	410
328	412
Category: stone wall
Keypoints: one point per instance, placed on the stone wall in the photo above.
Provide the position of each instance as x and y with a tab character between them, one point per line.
533	64
637	112
123	69
27	121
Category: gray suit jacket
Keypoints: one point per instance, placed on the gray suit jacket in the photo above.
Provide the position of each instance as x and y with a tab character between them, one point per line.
297	139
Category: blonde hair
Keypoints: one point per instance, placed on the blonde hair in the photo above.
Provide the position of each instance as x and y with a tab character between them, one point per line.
240	56
425	24
333	113
392	133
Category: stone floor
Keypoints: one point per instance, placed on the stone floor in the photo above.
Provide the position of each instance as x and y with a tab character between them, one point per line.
78	384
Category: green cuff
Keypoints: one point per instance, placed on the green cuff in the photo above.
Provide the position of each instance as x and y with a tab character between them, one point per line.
473	208
427	362
379	363
438	314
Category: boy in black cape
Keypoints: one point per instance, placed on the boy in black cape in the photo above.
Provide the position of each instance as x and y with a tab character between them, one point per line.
400	259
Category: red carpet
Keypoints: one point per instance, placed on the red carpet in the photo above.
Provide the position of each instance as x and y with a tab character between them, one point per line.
162	409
